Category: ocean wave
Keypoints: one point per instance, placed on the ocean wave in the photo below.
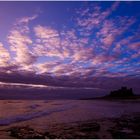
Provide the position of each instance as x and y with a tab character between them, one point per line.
24	117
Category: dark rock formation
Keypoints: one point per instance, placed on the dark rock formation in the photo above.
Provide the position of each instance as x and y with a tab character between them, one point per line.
79	130
25	133
90	127
126	127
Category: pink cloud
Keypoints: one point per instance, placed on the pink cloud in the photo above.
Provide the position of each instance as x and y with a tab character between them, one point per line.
19	44
45	32
4	56
26	20
92	47
135	46
95	18
20	41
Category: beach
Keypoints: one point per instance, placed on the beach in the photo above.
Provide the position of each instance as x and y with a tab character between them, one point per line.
68	118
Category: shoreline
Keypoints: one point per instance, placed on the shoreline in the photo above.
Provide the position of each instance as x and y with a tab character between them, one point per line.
70	119
135	97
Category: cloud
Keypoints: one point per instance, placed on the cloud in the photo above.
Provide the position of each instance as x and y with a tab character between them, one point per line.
111	30
20	41
26	20
46	67
4	56
48	42
135	45
76	55
45	32
88	20
62	45
19	44
97	45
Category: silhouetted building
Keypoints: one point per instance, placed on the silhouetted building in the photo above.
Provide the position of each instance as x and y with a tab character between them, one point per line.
123	92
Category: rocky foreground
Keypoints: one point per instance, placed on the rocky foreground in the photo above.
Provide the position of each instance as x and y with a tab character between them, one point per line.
127	127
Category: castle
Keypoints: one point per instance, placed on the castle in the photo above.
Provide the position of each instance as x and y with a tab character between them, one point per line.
123	92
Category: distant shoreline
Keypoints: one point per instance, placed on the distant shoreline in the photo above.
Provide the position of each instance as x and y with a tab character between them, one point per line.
135	97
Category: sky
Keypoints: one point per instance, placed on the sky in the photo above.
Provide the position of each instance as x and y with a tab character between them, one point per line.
70	43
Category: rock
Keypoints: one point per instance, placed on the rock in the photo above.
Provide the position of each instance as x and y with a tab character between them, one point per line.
50	136
80	130
126	130
124	134
116	134
90	127
80	134
25	133
85	136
